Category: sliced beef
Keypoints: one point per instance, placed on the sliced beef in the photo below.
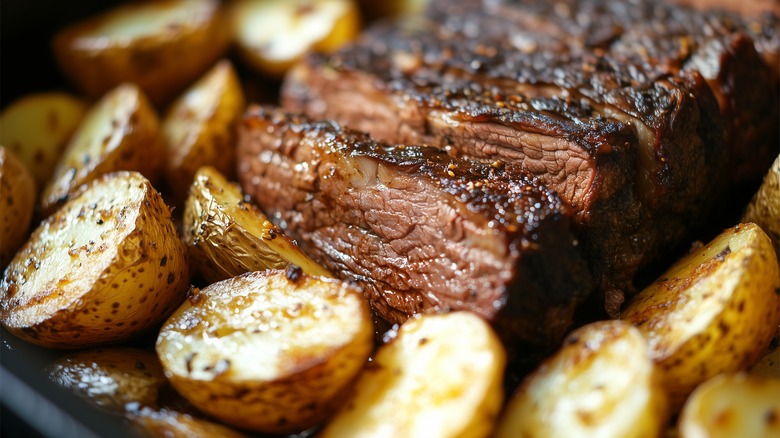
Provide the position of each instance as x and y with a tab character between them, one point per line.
636	150
420	230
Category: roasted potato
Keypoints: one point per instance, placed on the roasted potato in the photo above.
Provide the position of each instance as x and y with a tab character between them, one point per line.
172	424
440	377
769	364
106	266
161	46
37	128
271	351
714	311
271	35
121	132
601	383
764	208
200	128
227	237
17	202
116	379
737	405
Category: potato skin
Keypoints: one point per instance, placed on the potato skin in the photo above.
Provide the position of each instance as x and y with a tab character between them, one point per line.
115	378
166	423
17	202
714	311
764	208
162	64
271	351
120	132
105	267
37	128
200	128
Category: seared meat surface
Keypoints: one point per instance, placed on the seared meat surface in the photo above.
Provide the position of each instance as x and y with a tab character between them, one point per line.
420	230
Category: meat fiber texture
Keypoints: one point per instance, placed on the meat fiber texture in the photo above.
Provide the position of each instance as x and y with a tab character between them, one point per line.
421	231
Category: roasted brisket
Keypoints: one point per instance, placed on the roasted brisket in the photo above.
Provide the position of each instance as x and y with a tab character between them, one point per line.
420	230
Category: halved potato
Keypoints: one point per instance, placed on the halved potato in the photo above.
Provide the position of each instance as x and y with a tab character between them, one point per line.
271	35
733	405
17	202
602	382
37	128
764	208
121	132
271	351
161	46
107	266
200	127
714	311
227	237
166	423
116	379
440	377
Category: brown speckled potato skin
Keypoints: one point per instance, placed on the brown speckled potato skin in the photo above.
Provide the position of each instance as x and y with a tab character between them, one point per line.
141	280
17	201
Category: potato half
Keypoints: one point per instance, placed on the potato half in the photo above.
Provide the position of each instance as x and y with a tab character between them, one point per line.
601	383
227	237
714	311
764	208
271	35
17	202
37	128
120	132
161	46
271	351
106	266
733	405
166	423
440	377
116	379
200	128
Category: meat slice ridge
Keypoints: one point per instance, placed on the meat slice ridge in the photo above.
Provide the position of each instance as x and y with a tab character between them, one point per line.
420	230
635	150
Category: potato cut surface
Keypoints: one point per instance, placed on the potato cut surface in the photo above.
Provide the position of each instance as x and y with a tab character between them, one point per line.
37	127
269	351
227	236
106	266
441	377
714	311
764	208
602	382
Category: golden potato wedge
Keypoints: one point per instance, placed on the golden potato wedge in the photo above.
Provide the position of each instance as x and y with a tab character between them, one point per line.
37	128
121	132
161	46
106	266
227	237
272	35
764	208
602	382
17	202
117	379
200	128
714	311
271	351
732	405
440	377
166	423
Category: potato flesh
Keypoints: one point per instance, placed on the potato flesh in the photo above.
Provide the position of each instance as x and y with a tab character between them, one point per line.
601	383
146	20
112	378
441	377
121	132
17	202
714	311
106	266
764	208
268	351
736	405
37	127
228	237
